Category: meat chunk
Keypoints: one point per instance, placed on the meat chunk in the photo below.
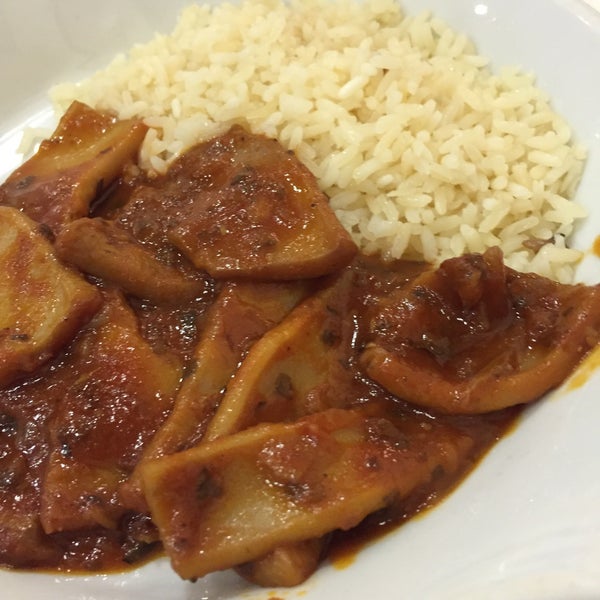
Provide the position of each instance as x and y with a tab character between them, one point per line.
42	303
296	368
475	336
241	314
98	247
233	500
115	393
246	429
86	152
240	205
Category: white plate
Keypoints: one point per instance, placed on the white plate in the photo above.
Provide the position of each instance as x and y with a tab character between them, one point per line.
526	523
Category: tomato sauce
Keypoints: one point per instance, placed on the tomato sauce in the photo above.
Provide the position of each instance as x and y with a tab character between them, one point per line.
73	431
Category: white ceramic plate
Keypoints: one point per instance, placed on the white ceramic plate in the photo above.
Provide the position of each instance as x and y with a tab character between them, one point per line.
526	523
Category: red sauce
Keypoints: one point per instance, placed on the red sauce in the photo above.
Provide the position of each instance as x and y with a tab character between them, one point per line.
28	436
72	433
485	430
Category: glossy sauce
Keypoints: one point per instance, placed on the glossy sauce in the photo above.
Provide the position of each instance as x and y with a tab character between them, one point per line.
485	430
29	410
72	432
36	414
379	280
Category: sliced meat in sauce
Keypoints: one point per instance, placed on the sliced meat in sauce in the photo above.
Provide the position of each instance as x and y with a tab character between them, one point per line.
232	500
475	336
43	303
190	394
245	189
115	392
296	368
240	315
100	248
84	155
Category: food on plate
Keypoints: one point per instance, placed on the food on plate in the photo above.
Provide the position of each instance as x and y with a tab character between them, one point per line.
97	247
230	501
43	303
474	335
247	188
425	151
114	392
224	417
241	313
294	292
297	367
85	153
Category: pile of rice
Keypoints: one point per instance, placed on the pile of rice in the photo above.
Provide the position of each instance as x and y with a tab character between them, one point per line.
424	153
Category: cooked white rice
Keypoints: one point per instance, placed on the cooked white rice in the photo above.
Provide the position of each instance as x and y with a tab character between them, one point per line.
424	153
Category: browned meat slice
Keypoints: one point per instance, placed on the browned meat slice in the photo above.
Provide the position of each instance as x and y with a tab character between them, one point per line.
98	247
115	393
240	205
474	336
42	302
240	315
86	152
299	367
313	351
233	500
